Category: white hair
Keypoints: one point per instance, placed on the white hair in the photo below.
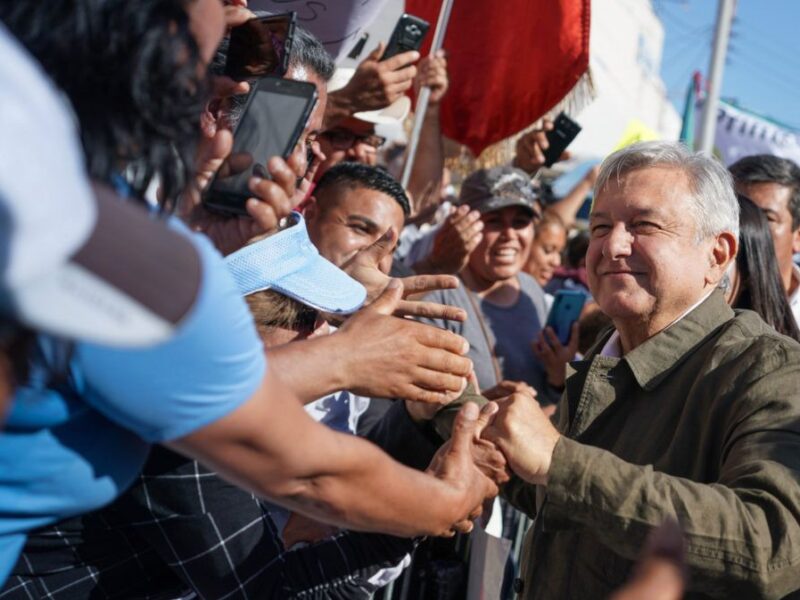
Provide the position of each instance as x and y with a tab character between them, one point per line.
713	198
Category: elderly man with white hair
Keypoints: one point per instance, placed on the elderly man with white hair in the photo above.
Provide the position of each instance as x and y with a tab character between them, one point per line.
685	409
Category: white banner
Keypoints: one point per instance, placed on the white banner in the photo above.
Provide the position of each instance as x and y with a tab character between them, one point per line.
740	133
337	23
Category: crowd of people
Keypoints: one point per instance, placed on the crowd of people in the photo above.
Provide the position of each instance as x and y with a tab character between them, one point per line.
336	389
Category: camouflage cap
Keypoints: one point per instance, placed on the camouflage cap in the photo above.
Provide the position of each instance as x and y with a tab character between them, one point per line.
488	190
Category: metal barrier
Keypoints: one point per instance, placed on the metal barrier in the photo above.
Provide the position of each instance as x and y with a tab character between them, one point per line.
401	588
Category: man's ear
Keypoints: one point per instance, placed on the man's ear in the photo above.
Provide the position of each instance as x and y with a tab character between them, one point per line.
723	253
311	209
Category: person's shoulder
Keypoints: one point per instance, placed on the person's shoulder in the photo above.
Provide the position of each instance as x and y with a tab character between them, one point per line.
454	296
749	340
530	286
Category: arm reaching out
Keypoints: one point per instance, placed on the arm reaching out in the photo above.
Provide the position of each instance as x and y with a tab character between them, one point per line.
271	447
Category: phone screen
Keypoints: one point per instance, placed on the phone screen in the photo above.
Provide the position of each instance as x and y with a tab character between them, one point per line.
273	120
260	47
566	309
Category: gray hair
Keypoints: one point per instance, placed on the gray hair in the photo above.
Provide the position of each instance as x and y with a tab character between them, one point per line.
714	201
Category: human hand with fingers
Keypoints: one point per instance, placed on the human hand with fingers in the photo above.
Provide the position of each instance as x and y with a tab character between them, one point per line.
271	201
388	357
506	388
485	454
376	83
272	198
454	464
364	267
525	436
554	355
458	236
531	146
433	74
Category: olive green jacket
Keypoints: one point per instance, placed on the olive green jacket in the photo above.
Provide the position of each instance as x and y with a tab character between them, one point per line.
702	423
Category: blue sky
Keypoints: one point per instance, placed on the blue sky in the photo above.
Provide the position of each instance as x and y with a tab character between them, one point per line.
763	69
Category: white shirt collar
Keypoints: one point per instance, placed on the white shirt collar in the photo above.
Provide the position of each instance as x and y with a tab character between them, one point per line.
613	347
795	297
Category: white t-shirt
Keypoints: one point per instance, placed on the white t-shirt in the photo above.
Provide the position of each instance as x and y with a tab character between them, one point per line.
794	299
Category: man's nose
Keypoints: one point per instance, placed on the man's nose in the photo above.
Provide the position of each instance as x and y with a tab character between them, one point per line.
618	243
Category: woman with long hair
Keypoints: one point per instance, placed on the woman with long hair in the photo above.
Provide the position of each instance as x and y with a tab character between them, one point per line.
755	282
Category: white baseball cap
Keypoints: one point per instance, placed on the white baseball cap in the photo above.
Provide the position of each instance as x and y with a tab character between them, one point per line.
75	259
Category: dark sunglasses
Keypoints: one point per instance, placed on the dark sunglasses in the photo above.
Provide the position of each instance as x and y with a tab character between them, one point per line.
342	139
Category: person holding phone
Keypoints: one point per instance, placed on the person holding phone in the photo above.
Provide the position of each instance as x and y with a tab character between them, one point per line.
374	85
207	392
505	306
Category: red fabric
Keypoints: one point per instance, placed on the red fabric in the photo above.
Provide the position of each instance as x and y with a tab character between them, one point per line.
509	61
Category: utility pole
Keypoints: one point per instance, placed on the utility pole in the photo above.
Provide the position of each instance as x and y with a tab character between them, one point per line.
708	127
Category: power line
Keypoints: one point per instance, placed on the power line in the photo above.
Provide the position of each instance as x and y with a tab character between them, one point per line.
764	68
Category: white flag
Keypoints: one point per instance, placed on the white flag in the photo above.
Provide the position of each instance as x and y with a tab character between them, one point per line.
740	133
337	23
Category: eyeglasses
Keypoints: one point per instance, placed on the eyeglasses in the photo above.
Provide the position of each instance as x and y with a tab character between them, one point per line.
343	139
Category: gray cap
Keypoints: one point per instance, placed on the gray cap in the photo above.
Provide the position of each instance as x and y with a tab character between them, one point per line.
487	190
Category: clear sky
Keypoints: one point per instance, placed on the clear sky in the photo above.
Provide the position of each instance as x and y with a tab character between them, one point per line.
763	69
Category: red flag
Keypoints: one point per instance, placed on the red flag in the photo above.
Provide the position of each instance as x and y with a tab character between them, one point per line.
509	62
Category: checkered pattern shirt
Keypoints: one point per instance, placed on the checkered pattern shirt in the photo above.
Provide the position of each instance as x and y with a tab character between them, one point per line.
182	532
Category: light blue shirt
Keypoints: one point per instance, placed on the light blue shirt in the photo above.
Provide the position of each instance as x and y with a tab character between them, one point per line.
72	446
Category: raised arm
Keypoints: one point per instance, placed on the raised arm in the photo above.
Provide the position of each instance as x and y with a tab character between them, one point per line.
271	447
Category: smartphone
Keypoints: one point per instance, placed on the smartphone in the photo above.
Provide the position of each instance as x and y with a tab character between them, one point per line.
563	132
274	117
408	35
566	309
260	47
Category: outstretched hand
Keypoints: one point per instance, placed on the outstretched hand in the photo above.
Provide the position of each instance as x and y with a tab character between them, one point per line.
364	267
525	435
387	357
454	464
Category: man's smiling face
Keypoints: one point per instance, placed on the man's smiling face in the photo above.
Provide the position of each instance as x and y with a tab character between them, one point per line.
644	260
347	218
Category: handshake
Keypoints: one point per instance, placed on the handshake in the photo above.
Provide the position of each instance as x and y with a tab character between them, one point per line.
510	434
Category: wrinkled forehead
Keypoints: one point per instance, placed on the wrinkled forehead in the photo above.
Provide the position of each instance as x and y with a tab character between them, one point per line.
654	189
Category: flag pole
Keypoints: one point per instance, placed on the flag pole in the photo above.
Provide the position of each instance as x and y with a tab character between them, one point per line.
725	12
425	93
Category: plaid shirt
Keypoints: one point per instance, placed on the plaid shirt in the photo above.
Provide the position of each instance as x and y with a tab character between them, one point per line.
181	529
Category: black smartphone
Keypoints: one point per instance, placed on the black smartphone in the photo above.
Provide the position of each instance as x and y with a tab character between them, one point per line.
408	35
274	117
260	47
563	132
566	309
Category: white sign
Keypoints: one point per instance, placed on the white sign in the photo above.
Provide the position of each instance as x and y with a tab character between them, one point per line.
337	23
740	134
